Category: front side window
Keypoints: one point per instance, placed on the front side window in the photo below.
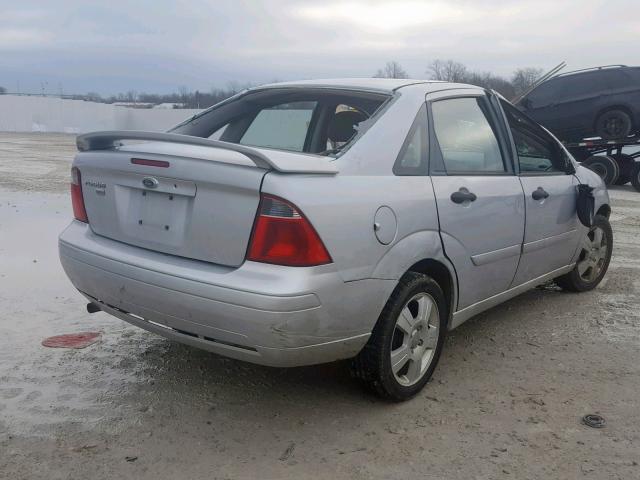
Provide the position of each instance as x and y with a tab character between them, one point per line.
545	94
466	138
538	152
282	126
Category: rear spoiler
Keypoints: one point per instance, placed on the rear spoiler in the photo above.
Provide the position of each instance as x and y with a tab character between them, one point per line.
281	161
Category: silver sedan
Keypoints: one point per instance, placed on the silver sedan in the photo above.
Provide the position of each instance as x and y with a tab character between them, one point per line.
315	221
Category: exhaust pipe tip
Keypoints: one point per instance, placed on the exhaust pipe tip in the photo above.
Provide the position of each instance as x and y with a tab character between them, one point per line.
93	307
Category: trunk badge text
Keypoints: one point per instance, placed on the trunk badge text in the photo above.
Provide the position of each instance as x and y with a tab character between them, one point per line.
95	184
150	182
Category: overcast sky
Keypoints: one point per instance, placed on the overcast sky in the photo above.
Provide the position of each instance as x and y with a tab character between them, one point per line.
158	46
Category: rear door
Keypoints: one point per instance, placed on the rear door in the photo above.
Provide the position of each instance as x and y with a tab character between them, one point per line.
551	229
479	199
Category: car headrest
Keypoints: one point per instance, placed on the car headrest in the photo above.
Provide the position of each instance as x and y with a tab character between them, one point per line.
341	127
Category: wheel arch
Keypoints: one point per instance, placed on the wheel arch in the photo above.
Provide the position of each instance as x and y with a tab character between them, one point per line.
442	275
604	210
421	252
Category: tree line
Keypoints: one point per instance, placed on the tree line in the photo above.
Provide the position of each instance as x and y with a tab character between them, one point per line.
183	98
452	71
446	70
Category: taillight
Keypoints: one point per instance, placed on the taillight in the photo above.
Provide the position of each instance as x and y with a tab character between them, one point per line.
282	235
77	201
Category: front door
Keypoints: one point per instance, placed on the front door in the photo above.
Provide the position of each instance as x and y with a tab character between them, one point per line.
552	225
479	198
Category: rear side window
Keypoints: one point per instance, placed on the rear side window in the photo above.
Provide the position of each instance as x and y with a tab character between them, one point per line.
584	84
634	74
538	152
282	126
412	159
467	141
618	78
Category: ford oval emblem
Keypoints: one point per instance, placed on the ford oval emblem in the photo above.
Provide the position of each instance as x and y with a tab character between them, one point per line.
150	182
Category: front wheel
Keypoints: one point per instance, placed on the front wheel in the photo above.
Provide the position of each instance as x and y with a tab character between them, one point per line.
594	258
405	345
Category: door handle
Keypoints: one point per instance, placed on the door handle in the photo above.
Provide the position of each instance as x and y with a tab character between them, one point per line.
463	195
539	194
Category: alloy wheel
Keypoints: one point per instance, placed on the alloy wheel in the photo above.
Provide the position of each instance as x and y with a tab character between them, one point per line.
415	339
593	255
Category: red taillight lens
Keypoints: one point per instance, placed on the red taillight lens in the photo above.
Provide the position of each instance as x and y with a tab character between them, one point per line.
77	201
282	235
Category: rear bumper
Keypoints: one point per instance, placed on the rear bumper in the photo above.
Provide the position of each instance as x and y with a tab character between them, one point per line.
266	314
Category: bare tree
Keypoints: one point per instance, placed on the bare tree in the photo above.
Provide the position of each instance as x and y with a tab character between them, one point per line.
490	81
184	94
523	78
391	70
447	70
93	97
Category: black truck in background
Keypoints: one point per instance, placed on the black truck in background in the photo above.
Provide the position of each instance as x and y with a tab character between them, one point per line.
599	102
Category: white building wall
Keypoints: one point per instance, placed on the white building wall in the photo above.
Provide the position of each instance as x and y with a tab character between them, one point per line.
44	114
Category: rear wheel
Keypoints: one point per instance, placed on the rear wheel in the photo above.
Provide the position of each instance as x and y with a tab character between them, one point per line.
593	262
613	124
405	345
605	166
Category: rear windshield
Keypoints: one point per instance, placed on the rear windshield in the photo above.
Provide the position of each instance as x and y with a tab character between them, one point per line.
318	121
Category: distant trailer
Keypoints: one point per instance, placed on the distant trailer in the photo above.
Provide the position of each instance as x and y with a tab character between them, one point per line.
605	157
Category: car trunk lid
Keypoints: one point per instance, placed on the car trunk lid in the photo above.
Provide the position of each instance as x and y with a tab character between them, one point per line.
181	198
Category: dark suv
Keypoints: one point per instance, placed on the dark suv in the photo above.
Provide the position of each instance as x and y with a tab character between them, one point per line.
601	102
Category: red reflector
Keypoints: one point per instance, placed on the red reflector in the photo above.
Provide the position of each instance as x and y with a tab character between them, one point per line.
283	236
77	201
150	163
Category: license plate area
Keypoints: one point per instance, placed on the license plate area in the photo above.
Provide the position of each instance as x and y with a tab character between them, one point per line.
158	217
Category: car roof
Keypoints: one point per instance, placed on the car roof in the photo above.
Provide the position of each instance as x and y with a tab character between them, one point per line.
386	85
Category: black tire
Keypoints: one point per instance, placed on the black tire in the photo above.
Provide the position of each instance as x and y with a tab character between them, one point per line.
613	124
574	281
372	366
635	176
605	166
625	166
